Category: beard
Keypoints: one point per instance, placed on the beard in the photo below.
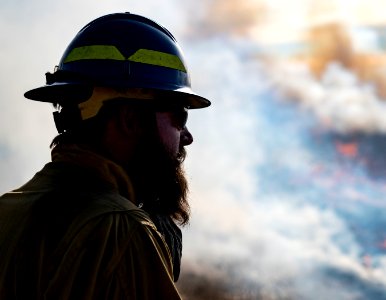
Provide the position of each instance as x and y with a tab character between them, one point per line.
160	185
159	179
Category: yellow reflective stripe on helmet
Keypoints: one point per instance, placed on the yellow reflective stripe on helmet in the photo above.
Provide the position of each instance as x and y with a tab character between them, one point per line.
158	58
94	52
143	56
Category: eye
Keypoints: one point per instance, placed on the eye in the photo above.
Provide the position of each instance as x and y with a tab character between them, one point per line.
179	118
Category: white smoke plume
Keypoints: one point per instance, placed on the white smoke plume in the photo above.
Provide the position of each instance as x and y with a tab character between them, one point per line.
339	99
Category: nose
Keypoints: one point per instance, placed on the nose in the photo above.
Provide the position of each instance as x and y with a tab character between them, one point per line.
186	137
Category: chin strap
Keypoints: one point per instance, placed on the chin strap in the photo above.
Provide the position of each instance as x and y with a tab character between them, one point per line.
67	118
60	127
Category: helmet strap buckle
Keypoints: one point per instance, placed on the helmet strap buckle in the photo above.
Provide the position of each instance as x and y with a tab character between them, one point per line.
59	122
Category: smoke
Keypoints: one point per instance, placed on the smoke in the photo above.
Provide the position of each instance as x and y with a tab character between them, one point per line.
224	18
265	224
284	207
339	83
339	99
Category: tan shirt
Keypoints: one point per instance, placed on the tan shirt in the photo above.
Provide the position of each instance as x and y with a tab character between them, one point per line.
69	234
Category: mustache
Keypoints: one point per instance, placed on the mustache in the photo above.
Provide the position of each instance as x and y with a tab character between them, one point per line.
181	155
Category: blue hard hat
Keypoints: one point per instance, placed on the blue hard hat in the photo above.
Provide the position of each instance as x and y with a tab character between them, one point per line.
120	51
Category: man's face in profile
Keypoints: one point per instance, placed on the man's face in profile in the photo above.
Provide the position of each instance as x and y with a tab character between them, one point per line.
156	168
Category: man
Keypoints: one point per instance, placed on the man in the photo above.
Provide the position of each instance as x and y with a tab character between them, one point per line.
99	221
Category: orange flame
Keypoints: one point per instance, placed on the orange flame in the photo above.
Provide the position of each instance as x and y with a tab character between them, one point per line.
347	149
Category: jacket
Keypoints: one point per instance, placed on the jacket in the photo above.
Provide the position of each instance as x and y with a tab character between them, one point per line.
71	232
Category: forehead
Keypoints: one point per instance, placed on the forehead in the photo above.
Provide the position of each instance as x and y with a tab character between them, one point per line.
172	114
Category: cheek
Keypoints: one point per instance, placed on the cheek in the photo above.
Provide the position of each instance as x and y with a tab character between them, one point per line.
169	135
171	141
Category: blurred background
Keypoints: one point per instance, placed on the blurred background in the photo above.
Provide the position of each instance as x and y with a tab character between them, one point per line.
287	171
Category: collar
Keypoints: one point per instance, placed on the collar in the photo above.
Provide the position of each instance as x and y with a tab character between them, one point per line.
102	167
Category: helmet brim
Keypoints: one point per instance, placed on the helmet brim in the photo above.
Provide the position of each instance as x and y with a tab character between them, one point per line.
59	91
77	92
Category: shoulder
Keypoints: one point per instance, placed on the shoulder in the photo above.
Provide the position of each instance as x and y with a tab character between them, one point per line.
120	252
124	240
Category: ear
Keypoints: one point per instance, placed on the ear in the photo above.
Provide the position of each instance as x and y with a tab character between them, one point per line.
121	135
127	121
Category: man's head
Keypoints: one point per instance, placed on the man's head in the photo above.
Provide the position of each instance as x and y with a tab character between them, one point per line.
150	145
123	88
148	142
